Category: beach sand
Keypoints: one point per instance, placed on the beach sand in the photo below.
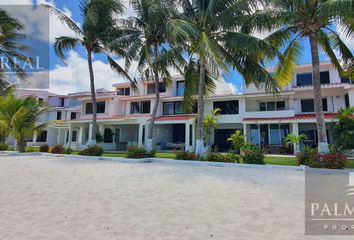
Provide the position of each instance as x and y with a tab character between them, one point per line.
56	198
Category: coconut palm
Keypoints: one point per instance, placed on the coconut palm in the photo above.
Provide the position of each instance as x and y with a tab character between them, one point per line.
150	48
295	140
98	25
211	32
12	51
316	20
210	122
19	118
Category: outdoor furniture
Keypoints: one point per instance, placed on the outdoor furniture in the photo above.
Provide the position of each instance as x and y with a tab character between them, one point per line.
174	145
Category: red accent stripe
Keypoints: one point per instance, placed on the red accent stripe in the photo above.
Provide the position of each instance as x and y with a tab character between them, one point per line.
296	117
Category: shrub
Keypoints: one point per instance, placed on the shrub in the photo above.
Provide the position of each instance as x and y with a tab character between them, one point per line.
44	148
139	152
184	155
68	151
3	146
329	160
57	149
307	155
218	157
93	150
31	149
253	155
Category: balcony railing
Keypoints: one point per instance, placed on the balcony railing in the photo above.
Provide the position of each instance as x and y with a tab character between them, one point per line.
269	114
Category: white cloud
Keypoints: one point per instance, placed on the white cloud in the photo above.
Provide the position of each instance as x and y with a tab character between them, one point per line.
74	77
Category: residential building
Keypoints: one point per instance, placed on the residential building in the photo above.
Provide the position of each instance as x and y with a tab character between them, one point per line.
264	118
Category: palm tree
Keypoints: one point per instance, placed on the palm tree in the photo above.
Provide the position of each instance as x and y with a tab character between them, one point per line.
98	26
19	118
150	47
210	122
211	32
315	20
12	51
295	140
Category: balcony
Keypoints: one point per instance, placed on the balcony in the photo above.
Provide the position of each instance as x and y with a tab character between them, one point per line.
270	114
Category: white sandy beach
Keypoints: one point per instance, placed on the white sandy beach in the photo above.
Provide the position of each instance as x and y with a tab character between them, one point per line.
54	198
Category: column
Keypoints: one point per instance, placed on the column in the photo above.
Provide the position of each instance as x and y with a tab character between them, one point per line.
245	131
89	140
70	136
80	137
351	97
193	137
295	131
34	140
187	146
140	135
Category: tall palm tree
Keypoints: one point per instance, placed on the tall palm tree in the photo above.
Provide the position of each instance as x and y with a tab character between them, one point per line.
315	20
19	118
150	47
98	25
12	51
211	32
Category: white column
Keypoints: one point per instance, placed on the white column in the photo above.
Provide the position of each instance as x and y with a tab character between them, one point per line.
34	140
89	140
187	146
245	131
140	135
295	131
193	137
70	136
351	97
80	136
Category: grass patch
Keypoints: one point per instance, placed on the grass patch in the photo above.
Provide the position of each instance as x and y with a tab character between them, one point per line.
287	161
350	164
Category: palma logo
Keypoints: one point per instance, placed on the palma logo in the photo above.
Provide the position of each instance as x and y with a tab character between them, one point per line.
350	186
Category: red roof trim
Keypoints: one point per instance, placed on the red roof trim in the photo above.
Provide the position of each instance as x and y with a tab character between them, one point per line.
296	117
174	118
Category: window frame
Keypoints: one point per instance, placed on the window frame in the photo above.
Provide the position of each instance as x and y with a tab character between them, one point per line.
230	109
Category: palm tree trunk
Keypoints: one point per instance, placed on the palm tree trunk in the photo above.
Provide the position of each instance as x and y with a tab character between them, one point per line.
21	145
200	149
320	120
157	101
93	97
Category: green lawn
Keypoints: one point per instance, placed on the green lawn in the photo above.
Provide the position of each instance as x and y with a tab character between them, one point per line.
288	161
350	164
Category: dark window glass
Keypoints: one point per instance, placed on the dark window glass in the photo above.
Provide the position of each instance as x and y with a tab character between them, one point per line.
74	136
324	104
123	91
307	105
126	91
304	79
168	108
151	88
227	107
281	105
162	87
190	135
108	135
263	106
311	134
61	102
180	88
178	107
344	80
135	107
346	98
73	115
40	99
145	107
42	137
101	107
59	115
88	108
324	77
270	106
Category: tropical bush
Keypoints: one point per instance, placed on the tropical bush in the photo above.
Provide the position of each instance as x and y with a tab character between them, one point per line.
218	157
237	140
139	152
31	149
57	149
44	148
252	155
329	160
185	155
343	130
3	146
93	150
307	155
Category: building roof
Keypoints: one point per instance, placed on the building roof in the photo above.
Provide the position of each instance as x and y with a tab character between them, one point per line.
296	117
175	118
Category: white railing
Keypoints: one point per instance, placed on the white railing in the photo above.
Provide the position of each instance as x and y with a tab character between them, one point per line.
270	114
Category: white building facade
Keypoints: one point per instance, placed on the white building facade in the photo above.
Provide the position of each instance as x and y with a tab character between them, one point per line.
264	118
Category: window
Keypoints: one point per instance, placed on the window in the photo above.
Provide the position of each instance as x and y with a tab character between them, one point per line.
254	133
145	107
61	102
272	106
42	137
346	98
151	88
73	115
59	115
344	80
308	105
227	107
101	107
140	107
180	88
172	108
324	77
108	135
123	91
74	136
40	100
303	79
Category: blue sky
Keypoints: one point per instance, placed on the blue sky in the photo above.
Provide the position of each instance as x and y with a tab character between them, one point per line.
72	77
